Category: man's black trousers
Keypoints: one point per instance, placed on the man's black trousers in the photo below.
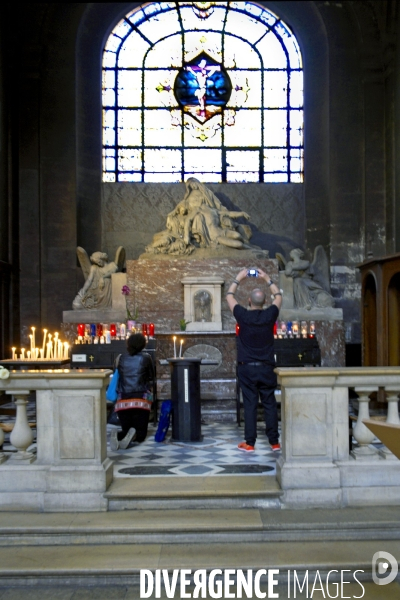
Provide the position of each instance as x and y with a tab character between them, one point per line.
259	381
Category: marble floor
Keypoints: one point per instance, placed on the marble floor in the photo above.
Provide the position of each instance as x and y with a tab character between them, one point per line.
216	454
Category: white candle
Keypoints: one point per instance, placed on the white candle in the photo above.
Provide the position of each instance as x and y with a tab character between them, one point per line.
28	355
31	342
66	347
41	353
180	351
174	338
22	353
13	353
33	337
44	339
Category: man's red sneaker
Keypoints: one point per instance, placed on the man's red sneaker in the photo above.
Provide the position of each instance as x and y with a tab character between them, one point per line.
275	447
245	447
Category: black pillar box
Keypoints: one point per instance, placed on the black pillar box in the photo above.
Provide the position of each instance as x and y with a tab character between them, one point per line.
185	396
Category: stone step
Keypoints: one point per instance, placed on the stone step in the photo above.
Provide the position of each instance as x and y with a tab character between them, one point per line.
194	492
189	526
120	564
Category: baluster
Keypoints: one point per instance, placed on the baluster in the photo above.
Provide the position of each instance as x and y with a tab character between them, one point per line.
2	455
361	433
392	397
21	436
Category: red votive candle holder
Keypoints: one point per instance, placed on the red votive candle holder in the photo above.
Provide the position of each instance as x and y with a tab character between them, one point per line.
151	329
81	329
113	329
237	328
144	328
99	329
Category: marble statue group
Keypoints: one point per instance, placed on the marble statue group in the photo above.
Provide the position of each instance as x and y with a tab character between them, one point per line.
200	221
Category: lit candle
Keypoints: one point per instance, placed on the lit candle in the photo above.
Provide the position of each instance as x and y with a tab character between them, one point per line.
312	328
295	328
44	339
28	355
31	342
13	353
66	347
55	351
22	353
41	353
33	338
180	350
304	329
174	338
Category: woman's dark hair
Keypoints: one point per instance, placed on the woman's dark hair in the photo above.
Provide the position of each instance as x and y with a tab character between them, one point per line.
135	343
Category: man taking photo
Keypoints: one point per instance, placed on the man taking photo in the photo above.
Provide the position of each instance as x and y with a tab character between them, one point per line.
255	357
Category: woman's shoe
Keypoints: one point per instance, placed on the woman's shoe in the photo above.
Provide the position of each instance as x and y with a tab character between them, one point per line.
114	444
123	444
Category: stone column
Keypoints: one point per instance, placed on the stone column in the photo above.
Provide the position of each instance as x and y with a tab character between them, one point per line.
21	436
363	436
2	456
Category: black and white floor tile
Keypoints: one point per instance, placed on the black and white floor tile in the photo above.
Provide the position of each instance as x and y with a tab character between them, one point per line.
216	454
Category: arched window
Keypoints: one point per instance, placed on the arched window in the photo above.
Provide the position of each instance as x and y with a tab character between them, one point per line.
206	89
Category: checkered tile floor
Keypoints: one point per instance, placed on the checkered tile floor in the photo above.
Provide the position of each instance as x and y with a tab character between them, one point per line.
217	454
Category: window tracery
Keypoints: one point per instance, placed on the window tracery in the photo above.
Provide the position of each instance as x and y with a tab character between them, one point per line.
206	89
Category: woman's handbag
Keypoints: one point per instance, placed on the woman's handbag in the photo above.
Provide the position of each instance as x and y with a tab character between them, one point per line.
111	393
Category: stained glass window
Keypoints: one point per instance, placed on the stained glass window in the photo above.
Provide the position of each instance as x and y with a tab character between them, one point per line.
206	89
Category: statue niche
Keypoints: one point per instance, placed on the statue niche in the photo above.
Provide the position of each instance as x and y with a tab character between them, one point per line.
202	306
200	221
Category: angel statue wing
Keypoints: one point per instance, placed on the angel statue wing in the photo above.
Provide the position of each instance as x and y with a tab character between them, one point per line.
120	258
281	261
84	261
319	269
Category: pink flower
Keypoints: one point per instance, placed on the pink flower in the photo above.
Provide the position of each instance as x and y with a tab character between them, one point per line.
125	290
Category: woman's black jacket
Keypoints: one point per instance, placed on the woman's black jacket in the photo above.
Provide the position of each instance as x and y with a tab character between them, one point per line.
135	374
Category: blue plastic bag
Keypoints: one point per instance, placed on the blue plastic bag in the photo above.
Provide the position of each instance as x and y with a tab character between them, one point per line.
163	423
111	393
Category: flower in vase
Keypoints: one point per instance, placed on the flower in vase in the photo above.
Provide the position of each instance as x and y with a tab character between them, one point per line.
126	290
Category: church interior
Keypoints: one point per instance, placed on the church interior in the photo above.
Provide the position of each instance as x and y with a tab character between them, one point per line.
148	153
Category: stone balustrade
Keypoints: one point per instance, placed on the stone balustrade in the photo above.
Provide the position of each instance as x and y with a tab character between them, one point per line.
70	470
316	467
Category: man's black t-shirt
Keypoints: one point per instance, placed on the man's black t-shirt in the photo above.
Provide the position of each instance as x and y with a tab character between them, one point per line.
255	341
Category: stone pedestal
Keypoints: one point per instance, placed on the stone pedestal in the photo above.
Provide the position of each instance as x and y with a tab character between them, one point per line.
115	314
71	471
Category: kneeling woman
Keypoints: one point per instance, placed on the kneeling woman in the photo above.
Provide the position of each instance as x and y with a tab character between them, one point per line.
136	375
